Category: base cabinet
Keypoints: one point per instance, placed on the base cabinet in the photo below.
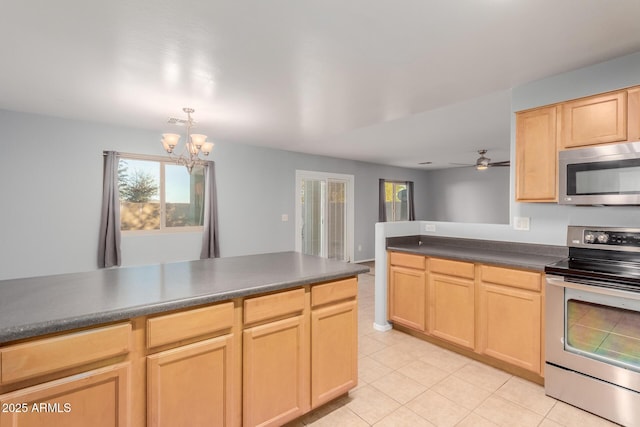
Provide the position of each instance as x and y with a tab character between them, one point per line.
510	316
408	297
451	309
256	361
97	398
334	351
192	385
490	313
275	372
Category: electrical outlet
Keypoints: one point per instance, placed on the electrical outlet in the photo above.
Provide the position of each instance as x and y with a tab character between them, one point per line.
285	217
359	248
430	227
521	223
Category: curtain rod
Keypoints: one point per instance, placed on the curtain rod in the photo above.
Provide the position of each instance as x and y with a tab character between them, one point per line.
156	158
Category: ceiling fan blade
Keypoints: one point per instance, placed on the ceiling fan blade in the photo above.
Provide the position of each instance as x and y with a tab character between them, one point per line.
504	163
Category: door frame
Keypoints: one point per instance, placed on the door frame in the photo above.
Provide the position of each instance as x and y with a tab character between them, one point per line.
350	180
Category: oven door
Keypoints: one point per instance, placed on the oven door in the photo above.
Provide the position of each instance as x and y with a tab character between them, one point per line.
594	330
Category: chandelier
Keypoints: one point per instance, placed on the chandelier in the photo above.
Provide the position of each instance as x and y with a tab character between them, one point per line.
194	145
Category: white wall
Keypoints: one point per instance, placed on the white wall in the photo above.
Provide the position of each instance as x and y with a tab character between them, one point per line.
51	187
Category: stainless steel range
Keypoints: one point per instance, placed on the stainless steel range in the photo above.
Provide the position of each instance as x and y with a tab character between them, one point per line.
593	323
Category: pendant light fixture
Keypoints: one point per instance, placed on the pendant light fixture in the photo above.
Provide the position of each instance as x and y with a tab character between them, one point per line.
195	144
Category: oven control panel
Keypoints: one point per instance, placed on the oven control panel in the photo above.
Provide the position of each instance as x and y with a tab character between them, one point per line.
617	238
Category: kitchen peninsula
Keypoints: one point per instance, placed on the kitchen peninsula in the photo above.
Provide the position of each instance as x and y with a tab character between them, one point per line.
260	338
483	299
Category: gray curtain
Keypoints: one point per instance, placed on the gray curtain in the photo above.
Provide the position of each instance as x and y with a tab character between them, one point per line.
412	208
210	245
109	239
382	208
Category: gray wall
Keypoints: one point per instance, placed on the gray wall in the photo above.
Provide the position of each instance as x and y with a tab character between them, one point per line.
51	186
468	195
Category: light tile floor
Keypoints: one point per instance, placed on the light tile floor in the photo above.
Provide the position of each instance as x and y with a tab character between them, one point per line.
404	381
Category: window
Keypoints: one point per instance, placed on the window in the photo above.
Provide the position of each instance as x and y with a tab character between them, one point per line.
159	195
396	201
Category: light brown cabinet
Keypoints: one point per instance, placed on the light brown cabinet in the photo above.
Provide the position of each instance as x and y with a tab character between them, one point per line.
537	155
407	290
452	301
593	120
258	361
276	362
490	313
510	316
334	340
97	398
607	118
193	380
76	379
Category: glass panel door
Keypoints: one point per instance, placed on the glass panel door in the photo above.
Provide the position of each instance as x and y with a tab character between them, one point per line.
313	223
324	215
337	218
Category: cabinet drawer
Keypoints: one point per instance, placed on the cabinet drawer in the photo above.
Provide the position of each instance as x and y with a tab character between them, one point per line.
174	327
451	268
48	355
334	291
273	306
407	260
510	277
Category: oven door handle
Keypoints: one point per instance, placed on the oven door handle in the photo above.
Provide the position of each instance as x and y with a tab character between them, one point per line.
595	288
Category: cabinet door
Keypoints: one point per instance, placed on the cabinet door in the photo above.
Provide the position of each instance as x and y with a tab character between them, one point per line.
96	398
275	372
536	155
633	114
407	297
510	325
334	351
595	120
192	385
451	309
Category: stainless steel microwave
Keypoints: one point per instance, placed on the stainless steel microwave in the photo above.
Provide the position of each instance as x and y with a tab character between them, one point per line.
600	175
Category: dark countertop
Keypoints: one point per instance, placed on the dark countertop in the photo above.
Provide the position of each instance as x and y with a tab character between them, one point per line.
36	306
506	254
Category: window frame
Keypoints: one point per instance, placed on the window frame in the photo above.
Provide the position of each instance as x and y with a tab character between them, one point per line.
162	193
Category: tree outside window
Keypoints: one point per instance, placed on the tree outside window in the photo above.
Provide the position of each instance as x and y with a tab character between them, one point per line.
156	195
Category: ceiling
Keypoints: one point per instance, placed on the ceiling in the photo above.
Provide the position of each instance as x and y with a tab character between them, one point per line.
393	82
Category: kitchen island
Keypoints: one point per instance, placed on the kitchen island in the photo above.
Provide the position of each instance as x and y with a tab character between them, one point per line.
259	339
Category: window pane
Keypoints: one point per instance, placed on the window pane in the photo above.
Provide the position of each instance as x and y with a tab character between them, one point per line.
184	196
401	203
138	182
396	201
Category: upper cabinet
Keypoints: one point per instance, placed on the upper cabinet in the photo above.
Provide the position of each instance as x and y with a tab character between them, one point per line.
595	120
633	114
541	132
536	155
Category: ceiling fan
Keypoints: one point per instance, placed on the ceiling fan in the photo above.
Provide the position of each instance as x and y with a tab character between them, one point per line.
484	162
